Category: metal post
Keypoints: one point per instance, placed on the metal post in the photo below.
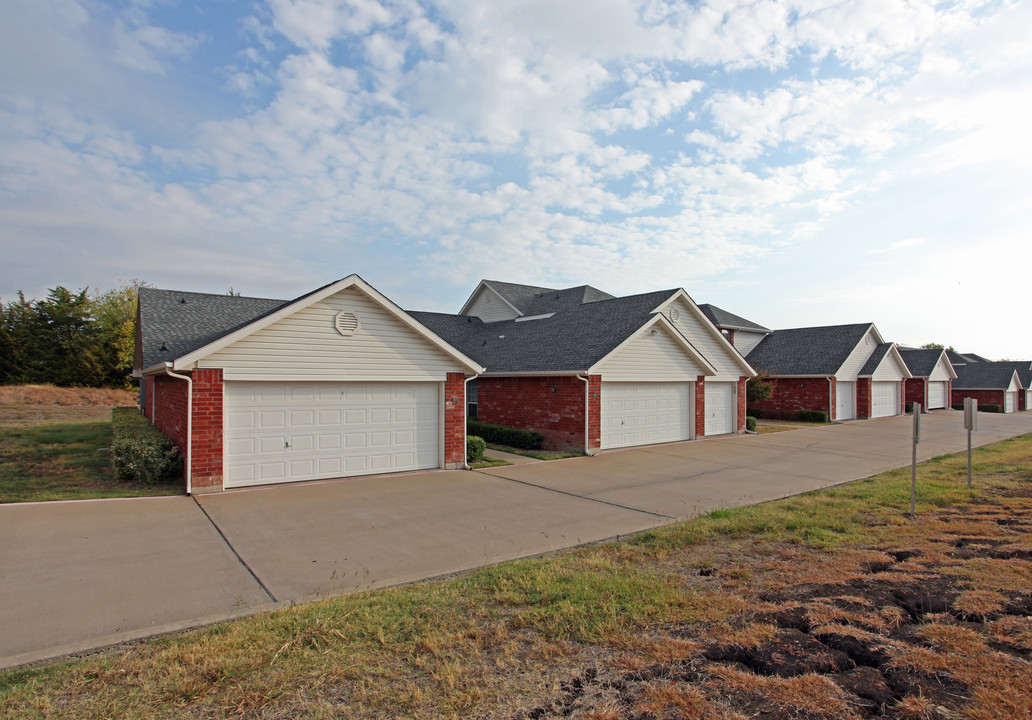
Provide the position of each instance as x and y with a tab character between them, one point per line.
913	462
971	424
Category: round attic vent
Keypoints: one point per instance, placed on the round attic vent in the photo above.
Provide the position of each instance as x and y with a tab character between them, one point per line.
346	323
675	314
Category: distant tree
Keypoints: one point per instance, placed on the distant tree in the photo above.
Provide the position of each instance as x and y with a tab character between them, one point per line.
17	340
938	346
114	312
66	335
232	292
758	388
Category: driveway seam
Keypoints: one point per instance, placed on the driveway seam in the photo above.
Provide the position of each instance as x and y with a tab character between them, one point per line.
233	550
579	497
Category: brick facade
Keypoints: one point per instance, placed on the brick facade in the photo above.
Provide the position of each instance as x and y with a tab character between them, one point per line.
791	395
914	391
700	407
741	404
863	397
984	397
551	405
207	430
455	421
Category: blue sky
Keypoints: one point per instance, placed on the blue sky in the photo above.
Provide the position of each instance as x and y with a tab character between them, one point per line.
797	163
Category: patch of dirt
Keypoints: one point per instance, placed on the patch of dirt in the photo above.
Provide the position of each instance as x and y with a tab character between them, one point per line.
908	633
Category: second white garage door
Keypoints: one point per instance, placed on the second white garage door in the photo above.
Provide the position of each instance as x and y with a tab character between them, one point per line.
645	413
936	395
720	408
287	432
884	399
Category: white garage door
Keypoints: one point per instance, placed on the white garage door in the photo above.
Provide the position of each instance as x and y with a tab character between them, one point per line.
1010	402
936	395
884	399
287	432
845	407
720	408
644	413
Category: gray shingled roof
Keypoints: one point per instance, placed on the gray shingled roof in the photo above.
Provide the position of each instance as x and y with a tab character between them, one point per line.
807	351
532	300
876	357
182	322
572	340
725	320
984	376
1024	368
921	362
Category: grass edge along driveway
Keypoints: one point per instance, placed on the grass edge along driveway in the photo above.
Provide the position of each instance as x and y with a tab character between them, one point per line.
550	637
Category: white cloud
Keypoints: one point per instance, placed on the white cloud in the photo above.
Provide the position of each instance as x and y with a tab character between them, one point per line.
898	245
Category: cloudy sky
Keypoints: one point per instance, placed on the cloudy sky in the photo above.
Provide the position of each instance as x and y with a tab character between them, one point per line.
799	163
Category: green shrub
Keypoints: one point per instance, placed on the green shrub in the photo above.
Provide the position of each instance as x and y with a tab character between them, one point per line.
139	451
501	435
817	416
750	423
475	447
989	408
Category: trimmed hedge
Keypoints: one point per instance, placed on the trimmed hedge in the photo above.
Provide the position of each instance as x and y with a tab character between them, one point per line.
501	435
475	447
750	423
139	451
982	408
818	416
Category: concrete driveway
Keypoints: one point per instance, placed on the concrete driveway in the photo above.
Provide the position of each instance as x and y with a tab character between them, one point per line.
81	575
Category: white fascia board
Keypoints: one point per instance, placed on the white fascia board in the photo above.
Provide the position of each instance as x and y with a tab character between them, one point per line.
536	373
1015	383
534	317
945	361
709	327
660	320
484	284
894	352
189	361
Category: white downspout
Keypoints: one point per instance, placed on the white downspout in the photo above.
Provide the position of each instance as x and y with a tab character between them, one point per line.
587	413
465	419
189	424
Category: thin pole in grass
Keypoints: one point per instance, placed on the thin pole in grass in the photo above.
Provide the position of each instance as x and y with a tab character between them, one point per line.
913	463
970	424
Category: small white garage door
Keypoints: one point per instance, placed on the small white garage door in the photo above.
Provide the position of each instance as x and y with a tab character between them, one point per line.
884	399
287	432
1010	402
845	407
720	408
936	395
645	413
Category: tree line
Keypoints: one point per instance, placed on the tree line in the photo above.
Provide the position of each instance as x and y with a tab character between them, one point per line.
70	339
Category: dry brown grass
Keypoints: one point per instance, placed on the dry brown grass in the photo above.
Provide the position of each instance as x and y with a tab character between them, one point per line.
25	405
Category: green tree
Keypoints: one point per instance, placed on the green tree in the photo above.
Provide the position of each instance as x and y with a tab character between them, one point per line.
67	335
759	387
114	315
17	340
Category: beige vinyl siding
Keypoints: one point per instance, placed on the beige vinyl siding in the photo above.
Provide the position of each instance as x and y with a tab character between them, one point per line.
650	358
888	369
856	360
307	346
490	307
704	337
941	371
745	341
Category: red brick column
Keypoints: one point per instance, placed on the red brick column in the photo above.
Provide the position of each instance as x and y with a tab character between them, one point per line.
741	403
863	397
903	398
594	390
700	407
832	399
168	408
208	437
455	421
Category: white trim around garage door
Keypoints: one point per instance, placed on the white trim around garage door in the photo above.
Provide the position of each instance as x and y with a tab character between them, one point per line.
279	432
646	413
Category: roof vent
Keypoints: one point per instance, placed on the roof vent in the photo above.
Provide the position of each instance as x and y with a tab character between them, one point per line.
346	323
164	348
182	301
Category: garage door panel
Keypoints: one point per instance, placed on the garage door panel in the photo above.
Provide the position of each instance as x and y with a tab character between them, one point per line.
885	399
720	411
936	395
845	407
644	413
369	428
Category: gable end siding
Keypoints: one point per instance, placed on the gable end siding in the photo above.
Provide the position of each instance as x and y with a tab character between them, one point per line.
888	369
650	358
307	346
940	372
691	326
857	358
745	340
490	307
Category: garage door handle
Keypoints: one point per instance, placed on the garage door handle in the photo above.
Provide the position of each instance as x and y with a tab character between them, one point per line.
286	444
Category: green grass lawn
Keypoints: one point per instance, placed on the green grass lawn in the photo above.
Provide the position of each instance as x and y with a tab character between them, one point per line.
64	462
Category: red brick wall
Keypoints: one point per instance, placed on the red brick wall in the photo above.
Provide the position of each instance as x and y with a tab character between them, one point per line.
790	395
984	397
169	408
741	403
455	420
863	397
207	430
914	391
553	406
700	407
594	413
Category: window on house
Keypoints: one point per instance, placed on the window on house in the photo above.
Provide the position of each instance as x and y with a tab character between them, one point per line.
471	399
